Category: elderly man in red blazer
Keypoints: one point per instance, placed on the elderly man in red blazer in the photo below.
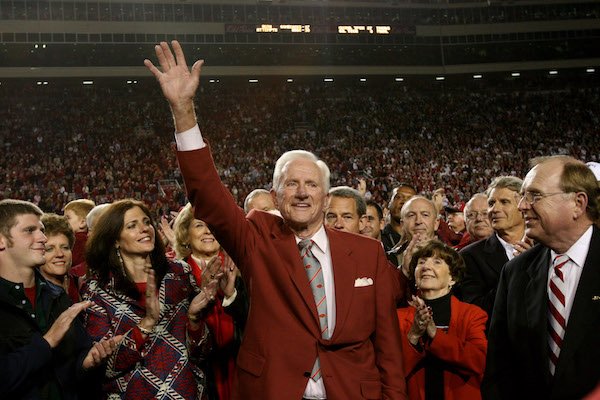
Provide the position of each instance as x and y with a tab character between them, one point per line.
285	353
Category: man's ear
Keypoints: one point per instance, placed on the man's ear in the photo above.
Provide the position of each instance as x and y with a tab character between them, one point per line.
82	225
3	242
581	203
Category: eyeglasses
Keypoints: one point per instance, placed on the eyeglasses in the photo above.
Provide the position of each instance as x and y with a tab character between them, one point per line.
473	214
534	197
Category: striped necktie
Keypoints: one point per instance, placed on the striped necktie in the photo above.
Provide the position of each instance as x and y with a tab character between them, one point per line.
314	273
557	317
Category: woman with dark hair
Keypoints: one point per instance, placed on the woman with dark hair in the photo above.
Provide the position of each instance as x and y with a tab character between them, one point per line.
155	303
196	245
443	339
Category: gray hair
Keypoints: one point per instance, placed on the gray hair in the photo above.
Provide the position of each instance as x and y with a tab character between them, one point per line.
470	202
94	214
347	192
412	200
292	155
251	196
505	182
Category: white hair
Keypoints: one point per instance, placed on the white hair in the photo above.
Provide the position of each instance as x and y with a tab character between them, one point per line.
292	155
252	195
94	214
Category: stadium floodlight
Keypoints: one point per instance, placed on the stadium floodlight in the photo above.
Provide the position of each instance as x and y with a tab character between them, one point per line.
553	72
399	79
363	79
440	78
290	80
39	82
88	82
590	70
212	81
515	74
477	76
327	79
253	80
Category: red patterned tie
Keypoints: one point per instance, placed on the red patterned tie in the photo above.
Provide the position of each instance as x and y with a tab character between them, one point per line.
314	273
556	309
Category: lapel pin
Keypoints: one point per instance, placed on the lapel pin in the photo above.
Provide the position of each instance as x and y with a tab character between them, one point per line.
595	298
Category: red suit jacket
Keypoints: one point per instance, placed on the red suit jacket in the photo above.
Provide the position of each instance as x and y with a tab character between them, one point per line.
282	339
462	349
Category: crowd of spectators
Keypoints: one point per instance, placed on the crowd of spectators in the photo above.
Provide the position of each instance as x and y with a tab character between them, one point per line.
62	142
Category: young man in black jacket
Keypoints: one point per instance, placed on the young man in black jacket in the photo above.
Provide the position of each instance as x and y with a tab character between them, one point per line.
44	351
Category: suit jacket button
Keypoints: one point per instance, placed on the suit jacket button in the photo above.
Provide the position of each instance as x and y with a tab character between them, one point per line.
307	374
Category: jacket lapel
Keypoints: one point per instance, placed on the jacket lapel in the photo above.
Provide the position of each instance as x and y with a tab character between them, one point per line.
536	303
344	274
585	310
494	248
284	242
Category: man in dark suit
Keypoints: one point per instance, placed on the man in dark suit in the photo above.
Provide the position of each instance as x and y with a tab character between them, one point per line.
484	259
391	233
358	349
543	341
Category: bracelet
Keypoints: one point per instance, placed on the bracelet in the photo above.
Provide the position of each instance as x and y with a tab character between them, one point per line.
145	331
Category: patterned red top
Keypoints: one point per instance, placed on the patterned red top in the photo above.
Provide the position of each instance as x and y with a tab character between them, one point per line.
166	363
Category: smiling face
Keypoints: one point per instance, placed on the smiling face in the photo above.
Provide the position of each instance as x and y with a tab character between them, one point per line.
202	242
25	248
58	258
301	197
547	220
503	210
341	214
138	235
373	224
432	276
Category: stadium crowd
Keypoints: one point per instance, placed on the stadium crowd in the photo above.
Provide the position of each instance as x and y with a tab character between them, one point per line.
105	144
218	304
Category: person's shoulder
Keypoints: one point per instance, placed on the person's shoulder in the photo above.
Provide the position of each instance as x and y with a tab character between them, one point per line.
178	266
468	308
526	260
474	248
353	239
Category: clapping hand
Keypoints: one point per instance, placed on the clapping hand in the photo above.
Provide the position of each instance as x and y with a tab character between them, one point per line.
423	322
230	273
101	351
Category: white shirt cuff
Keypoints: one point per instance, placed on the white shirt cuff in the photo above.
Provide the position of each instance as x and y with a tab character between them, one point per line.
228	300
190	140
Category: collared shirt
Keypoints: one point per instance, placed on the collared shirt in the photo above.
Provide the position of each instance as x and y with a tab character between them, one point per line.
16	293
573	268
508	248
321	250
192	140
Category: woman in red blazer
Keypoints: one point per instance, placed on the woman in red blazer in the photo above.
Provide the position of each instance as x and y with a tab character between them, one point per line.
443	339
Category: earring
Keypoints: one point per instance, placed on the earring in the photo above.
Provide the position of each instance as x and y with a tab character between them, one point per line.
120	260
